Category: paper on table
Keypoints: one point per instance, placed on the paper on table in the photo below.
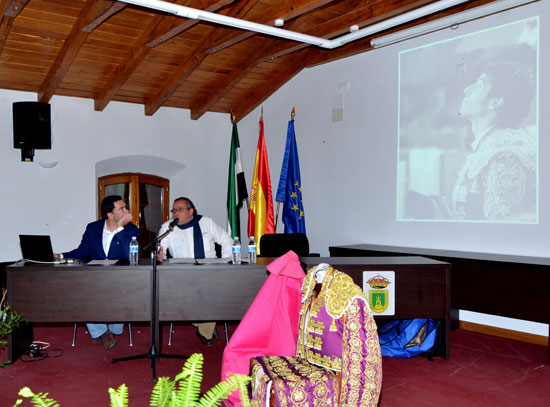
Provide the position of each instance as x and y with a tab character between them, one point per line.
105	262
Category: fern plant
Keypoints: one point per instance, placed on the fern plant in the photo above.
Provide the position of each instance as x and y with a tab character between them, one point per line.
183	391
39	400
9	320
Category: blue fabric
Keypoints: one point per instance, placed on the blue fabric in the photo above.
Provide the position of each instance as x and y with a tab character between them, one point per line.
398	338
91	246
289	190
281	189
198	244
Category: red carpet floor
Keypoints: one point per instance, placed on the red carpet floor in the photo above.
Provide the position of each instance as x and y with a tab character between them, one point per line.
483	371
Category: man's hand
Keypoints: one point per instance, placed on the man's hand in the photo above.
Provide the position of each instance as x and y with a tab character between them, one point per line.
127	218
56	256
160	254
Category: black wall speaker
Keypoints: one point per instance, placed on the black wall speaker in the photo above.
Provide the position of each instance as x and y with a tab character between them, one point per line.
32	125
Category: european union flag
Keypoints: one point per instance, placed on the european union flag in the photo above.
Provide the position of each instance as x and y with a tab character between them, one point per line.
290	186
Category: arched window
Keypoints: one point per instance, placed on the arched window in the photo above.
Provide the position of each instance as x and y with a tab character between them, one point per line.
147	197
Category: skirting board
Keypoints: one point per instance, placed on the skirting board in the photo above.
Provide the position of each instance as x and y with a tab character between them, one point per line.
504	333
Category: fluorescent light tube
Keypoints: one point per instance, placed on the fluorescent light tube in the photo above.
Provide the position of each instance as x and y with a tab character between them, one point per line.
397	20
445	22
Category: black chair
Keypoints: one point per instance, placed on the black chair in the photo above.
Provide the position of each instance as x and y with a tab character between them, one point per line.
277	244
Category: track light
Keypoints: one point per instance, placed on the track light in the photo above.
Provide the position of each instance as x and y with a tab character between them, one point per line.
354	35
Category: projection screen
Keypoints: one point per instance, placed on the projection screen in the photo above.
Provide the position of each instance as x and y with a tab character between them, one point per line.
468	124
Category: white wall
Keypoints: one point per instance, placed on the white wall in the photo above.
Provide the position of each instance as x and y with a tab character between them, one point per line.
335	184
60	201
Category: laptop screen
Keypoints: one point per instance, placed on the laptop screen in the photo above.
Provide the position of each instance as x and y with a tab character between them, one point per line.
36	247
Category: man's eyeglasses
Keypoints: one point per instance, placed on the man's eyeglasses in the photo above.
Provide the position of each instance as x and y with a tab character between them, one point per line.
176	210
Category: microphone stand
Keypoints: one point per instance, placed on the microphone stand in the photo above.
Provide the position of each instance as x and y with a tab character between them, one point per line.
153	352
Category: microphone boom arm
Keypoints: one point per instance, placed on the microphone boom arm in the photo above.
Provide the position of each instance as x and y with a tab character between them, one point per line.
156	241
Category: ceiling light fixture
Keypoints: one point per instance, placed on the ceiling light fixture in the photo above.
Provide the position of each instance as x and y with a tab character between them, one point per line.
195	14
446	22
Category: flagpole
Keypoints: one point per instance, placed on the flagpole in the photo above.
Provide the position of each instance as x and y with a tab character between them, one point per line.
277	215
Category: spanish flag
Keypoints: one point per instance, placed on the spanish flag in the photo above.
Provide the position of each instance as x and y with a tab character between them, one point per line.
260	214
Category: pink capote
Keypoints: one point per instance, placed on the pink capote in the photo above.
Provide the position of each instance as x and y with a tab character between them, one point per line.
270	326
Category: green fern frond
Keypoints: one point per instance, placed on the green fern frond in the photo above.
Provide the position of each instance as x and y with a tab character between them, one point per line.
241	381
192	364
163	393
38	400
189	388
216	394
119	397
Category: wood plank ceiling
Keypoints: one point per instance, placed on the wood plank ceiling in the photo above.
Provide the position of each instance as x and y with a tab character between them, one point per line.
111	51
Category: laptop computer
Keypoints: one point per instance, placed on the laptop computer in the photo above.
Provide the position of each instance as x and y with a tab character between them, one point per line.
36	248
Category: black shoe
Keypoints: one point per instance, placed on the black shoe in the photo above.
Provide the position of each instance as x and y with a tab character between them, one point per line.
207	342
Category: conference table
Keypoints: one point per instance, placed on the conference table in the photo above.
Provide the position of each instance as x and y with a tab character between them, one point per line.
510	286
210	291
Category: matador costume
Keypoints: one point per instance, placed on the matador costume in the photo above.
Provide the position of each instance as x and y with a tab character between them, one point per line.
338	360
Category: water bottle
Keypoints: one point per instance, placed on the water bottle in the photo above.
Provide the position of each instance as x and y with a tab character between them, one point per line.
134	251
236	251
251	251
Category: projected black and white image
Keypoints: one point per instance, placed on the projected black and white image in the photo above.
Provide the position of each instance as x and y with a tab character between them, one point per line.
468	127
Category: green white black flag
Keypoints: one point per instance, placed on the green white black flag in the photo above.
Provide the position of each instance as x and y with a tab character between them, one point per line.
236	186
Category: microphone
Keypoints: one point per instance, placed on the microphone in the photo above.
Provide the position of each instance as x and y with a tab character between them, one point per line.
173	223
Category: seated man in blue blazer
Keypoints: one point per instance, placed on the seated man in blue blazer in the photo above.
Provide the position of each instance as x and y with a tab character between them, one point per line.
107	238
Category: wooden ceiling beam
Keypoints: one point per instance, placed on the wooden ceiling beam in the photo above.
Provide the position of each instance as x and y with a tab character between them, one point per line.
194	59
179	76
14	7
135	57
275	82
70	48
103	15
286	10
227	83
10	10
174	26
